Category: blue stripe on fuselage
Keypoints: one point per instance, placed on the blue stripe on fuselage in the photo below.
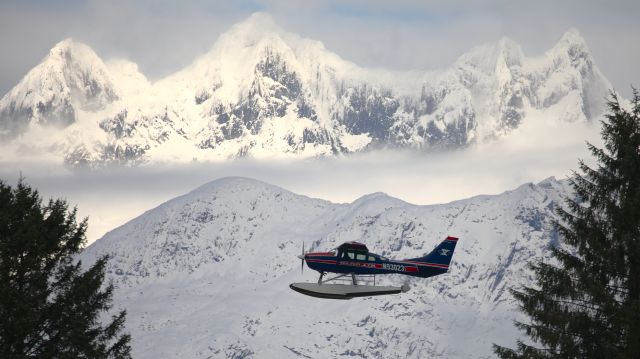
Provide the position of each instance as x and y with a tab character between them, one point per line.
333	265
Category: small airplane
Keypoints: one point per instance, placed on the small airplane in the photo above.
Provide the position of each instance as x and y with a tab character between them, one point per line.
353	259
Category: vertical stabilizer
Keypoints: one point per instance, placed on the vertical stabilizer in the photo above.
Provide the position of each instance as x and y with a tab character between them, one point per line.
441	255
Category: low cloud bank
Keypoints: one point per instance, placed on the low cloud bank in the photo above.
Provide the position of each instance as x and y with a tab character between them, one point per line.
533	152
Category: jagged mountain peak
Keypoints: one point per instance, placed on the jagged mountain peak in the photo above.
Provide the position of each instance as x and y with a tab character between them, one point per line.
229	67
257	26
72	50
253	35
262	29
259	35
487	56
510	51
573	68
66	61
573	47
75	62
70	78
572	38
264	92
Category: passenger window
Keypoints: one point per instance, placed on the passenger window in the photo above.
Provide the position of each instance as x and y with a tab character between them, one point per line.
361	257
372	259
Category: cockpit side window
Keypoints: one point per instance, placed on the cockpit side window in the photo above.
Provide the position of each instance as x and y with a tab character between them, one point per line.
351	254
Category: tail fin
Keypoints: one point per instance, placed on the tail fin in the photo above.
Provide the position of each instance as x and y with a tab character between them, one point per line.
442	254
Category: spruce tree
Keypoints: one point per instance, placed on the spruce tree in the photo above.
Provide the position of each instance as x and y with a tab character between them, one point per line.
49	306
586	303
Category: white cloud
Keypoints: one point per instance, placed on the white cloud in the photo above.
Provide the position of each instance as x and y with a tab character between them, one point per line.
534	152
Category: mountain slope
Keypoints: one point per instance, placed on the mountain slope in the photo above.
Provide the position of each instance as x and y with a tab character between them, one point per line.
264	92
207	274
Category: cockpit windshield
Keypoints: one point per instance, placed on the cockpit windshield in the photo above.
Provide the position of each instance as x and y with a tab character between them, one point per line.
348	255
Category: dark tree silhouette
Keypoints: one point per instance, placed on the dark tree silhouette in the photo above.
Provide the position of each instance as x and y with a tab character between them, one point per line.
49	306
586	304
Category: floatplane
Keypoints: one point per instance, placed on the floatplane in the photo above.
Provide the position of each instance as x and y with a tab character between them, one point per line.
354	262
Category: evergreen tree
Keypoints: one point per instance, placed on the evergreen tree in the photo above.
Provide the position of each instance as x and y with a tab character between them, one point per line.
586	304
49	306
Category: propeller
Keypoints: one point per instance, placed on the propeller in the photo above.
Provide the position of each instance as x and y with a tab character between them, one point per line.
302	259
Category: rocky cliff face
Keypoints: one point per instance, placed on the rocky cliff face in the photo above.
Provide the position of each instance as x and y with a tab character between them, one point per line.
264	92
206	274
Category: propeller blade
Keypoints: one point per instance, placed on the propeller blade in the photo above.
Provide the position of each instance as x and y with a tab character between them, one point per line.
302	259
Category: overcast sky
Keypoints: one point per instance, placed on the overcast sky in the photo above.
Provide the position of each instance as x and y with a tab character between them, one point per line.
162	36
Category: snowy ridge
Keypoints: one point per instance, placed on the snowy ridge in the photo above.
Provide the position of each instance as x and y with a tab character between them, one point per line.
207	274
264	92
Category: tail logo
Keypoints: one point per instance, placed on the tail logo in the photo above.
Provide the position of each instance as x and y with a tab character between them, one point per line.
444	252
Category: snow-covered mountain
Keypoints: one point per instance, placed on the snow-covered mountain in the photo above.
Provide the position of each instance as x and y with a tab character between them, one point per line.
264	92
206	275
72	78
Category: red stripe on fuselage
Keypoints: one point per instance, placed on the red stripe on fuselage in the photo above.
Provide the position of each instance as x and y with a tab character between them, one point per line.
320	261
321	254
409	266
428	264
